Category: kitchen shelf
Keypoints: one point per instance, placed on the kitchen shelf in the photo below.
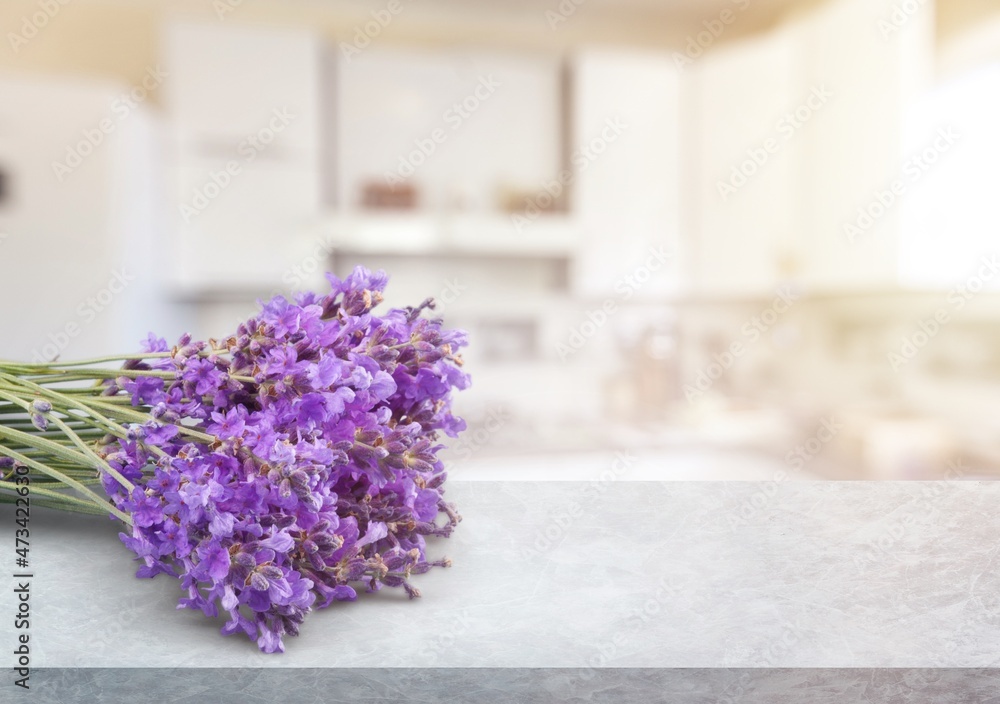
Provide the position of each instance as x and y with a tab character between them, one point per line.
450	235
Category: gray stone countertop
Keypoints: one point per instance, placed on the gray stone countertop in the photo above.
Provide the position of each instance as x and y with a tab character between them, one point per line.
592	575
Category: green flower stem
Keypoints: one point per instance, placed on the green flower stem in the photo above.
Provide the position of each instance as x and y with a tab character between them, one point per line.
84	362
66	403
89	393
67	454
140	356
67	480
86	431
83	374
86	478
22	422
62	451
49	499
101	462
85	475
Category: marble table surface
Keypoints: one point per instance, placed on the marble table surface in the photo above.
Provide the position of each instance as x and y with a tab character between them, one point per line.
601	574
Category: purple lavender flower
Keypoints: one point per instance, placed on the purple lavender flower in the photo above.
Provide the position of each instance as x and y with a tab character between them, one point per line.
296	459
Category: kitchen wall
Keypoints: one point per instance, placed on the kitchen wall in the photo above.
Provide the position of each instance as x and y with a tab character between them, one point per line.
665	227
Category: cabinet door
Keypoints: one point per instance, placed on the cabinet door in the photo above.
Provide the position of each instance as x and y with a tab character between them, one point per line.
224	82
249	234
853	148
746	148
460	127
625	162
245	108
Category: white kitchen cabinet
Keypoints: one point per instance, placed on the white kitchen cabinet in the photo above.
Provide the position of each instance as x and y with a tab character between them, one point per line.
224	82
828	92
745	165
249	235
245	105
470	234
458	126
625	159
853	148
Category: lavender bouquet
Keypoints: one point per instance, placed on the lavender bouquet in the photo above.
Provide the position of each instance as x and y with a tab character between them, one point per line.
271	472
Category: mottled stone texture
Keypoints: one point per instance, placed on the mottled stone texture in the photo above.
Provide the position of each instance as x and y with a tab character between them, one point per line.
520	685
601	575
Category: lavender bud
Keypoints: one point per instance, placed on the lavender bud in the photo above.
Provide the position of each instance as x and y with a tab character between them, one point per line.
271	572
259	582
41	405
245	560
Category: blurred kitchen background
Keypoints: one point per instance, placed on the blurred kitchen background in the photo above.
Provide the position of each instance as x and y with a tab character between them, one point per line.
690	239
